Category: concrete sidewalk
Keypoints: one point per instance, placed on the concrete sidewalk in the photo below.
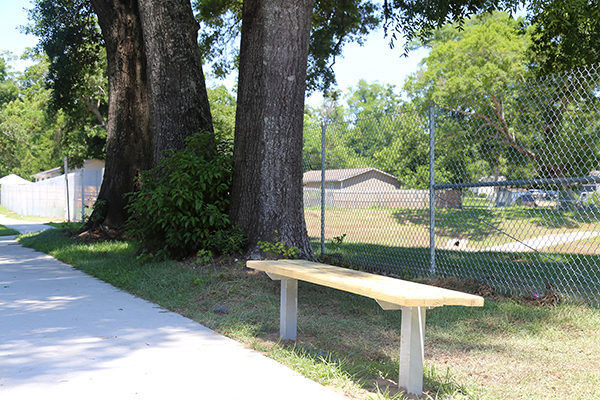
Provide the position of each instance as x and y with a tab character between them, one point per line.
65	335
22	226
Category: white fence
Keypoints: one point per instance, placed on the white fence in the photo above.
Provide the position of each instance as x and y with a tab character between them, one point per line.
49	198
338	198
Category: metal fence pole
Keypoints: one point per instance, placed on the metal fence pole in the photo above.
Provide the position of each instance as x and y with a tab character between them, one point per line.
82	194
67	190
431	190
323	129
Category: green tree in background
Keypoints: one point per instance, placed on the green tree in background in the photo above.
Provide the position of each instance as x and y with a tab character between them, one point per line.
373	108
495	111
222	107
565	34
464	73
28	133
70	37
376	129
406	155
8	87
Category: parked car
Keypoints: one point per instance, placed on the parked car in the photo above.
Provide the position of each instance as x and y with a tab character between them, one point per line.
537	194
550	195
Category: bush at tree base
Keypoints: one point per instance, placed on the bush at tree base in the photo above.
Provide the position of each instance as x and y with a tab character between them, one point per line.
182	205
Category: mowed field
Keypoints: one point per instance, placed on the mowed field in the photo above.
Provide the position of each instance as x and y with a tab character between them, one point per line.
466	230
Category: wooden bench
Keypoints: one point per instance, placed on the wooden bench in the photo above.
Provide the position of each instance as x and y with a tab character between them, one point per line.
391	294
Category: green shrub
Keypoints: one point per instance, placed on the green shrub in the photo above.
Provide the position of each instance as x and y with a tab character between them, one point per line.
182	205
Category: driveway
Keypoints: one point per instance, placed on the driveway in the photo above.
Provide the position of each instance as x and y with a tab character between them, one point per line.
542	242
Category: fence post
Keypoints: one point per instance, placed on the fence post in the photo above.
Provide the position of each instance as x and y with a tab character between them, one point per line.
82	194
67	189
431	190
323	130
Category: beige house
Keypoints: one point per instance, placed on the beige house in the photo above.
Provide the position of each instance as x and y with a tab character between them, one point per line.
50	173
358	179
88	165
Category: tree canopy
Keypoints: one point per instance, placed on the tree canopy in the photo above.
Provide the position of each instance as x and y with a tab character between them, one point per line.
566	34
70	36
464	73
334	24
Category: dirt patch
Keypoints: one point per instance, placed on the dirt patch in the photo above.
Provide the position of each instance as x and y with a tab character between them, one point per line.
473	286
99	234
390	389
549	298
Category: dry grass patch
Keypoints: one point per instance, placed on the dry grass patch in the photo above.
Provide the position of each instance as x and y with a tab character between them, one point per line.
513	351
410	227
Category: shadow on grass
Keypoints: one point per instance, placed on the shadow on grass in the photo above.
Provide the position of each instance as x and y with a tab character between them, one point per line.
478	223
573	277
474	223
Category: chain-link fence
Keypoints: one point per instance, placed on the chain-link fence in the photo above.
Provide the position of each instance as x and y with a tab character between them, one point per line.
501	187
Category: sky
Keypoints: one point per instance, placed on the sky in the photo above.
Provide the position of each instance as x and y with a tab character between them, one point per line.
12	16
373	62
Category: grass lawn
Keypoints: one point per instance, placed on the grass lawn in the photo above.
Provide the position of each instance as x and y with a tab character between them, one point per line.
4	231
398	241
504	350
482	227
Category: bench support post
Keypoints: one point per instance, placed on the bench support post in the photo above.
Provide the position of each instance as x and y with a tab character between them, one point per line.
288	314
412	341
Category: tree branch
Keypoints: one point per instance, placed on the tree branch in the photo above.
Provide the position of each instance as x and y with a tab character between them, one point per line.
505	137
94	108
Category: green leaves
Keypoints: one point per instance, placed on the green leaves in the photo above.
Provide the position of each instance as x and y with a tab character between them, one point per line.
485	55
279	249
182	206
565	34
27	131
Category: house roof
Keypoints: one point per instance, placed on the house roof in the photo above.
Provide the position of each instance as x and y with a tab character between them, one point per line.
58	170
13	179
47	172
339	175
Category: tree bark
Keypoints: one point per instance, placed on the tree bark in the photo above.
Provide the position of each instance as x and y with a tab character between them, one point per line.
179	99
266	194
129	141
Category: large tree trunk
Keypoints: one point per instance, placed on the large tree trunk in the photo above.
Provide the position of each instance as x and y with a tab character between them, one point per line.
267	194
129	143
179	100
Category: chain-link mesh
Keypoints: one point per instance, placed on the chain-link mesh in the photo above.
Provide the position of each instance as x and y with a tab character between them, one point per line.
516	186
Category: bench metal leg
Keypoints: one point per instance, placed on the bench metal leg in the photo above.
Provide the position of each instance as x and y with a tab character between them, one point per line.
412	342
289	309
